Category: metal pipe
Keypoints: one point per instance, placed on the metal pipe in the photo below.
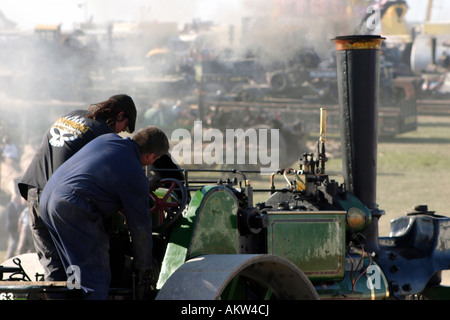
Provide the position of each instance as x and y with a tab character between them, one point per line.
358	59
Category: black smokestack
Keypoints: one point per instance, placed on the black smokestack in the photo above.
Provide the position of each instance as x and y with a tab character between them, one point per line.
358	60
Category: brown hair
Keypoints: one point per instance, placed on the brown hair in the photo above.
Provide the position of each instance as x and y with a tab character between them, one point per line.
109	109
152	140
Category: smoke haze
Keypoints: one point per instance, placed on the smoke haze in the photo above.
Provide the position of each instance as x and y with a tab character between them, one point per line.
43	76
28	13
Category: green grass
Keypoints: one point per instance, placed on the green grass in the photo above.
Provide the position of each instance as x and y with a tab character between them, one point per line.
413	169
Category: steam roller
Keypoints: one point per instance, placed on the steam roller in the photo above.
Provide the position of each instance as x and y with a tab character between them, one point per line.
316	238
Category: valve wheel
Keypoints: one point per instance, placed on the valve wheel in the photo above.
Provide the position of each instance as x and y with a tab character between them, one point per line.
170	206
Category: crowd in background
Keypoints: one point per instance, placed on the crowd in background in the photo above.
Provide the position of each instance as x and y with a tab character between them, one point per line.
14	211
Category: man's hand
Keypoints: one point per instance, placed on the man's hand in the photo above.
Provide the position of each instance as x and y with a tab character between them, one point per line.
146	280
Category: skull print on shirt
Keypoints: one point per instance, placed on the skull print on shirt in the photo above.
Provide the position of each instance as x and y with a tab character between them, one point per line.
67	129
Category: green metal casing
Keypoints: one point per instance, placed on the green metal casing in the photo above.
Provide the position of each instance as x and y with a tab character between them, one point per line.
313	240
209	226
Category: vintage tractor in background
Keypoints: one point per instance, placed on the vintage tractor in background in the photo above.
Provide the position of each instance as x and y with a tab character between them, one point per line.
314	238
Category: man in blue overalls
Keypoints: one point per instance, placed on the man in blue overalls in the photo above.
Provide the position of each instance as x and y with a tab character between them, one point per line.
105	176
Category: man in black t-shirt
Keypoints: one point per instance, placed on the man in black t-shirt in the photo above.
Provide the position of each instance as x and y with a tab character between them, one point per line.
63	139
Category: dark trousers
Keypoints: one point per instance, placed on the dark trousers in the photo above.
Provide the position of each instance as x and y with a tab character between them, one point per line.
43	242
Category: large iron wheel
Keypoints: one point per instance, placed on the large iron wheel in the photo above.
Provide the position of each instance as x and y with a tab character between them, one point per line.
238	277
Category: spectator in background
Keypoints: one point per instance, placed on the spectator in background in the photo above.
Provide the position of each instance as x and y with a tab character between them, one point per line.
25	244
13	211
10	150
10	167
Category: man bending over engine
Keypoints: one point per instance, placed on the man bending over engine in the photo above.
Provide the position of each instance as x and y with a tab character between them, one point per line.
102	178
